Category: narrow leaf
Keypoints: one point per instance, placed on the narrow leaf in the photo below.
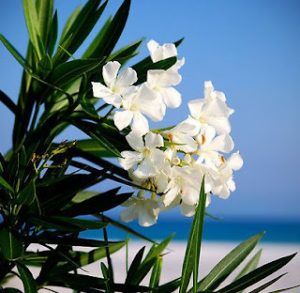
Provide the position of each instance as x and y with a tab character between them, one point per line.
12	50
256	275
266	285
10	246
218	274
156	272
33	26
134	266
192	253
4	184
251	265
106	41
94	147
27	279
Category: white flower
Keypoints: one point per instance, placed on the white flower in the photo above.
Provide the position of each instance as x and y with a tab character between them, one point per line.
145	210
161	82
225	175
135	105
158	52
210	145
115	84
212	110
146	157
182	135
183	185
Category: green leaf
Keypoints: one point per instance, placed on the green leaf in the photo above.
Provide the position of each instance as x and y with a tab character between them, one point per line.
285	289
256	275
143	67
251	265
107	38
98	203
66	224
169	287
79	258
27	279
44	12
84	282
94	147
11	290
133	269
52	238
10	245
52	37
124	54
157	249
78	28
224	268
69	71
266	285
66	30
33	26
156	273
12	50
4	184
192	253
55	194
28	194
90	129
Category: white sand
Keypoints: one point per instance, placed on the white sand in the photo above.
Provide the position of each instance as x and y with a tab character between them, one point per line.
211	253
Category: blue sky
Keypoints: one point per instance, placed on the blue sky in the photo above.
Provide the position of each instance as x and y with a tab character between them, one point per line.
249	49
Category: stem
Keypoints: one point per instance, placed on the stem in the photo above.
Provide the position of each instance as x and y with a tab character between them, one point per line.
109	262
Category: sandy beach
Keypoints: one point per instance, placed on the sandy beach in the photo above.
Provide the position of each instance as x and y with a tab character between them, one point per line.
211	253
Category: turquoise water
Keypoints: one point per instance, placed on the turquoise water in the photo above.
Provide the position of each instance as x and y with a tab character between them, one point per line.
214	230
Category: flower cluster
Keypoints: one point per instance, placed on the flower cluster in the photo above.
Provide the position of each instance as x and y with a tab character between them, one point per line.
169	164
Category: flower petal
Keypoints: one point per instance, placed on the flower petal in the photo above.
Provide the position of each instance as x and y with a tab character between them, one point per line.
126	78
150	103
148	214
135	140
222	143
187	210
153	140
100	90
145	169
171	196
235	161
122	119
110	71
221	124
129	214
139	124
195	107
171	97
129	159
163	78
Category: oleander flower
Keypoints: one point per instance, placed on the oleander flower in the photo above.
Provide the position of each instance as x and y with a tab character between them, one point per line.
210	145
183	135
212	109
146	159
158	52
135	105
162	83
146	210
116	84
225	175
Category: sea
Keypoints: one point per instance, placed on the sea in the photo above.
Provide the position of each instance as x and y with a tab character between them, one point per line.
220	230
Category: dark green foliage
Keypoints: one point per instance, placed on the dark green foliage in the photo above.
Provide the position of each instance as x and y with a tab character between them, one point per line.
45	183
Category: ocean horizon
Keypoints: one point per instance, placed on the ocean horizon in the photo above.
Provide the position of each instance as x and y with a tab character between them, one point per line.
223	230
